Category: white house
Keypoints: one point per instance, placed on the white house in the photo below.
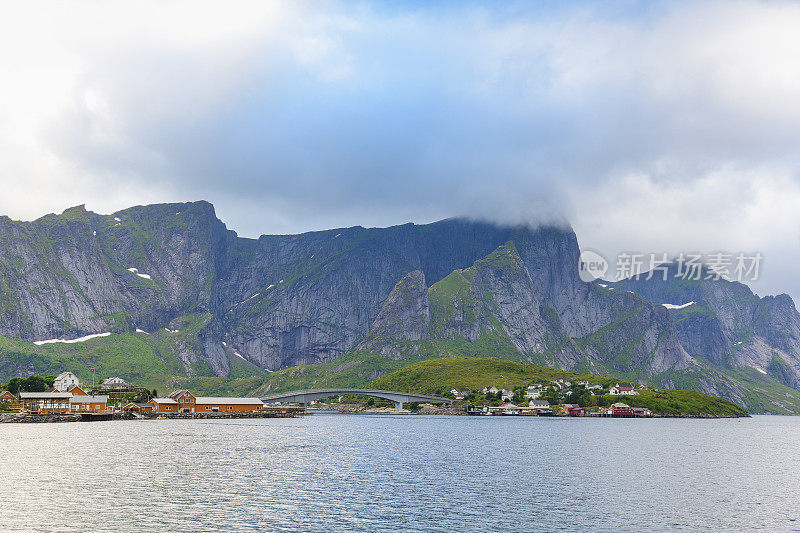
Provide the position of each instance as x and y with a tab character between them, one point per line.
65	381
507	395
493	390
539	404
533	394
458	395
114	383
505	409
622	390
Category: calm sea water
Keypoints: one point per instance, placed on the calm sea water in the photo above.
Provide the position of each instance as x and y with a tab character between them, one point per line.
402	473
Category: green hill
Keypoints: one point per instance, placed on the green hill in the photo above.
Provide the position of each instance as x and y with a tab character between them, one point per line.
435	376
162	359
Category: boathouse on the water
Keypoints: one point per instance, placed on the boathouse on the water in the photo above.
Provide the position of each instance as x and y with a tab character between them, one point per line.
83	403
164	405
620	409
186	402
46	402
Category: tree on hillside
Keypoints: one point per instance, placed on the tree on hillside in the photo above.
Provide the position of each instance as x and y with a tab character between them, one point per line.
13	385
581	396
552	395
493	396
34	383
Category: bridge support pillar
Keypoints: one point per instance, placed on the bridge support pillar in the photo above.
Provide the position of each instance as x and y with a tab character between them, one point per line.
398	406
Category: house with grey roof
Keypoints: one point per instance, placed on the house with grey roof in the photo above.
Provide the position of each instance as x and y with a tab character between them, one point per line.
66	381
114	383
84	403
539	404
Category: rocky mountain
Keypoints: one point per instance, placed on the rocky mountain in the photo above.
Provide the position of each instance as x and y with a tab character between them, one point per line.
355	302
726	324
494	308
278	301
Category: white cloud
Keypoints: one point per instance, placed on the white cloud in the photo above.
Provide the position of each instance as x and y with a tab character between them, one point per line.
729	210
664	126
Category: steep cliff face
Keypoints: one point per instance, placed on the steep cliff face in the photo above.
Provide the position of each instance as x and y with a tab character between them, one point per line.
496	302
403	320
725	323
489	308
80	273
280	300
309	298
615	329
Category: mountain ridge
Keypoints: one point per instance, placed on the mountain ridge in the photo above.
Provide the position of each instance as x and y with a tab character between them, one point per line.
339	298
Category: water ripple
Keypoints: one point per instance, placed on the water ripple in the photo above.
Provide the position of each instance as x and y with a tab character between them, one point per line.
402	473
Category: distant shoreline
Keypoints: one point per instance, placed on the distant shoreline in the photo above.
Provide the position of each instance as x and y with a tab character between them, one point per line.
360	409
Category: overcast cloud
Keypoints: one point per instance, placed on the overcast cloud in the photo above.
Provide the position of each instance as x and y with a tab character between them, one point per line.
650	127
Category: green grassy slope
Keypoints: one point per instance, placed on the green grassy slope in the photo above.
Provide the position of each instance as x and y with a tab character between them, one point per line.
353	369
356	368
474	373
680	402
148	360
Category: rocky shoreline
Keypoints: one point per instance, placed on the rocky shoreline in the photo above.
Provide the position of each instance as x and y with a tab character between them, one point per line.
29	418
6	418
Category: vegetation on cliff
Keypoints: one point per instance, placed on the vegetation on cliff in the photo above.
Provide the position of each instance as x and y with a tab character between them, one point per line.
161	359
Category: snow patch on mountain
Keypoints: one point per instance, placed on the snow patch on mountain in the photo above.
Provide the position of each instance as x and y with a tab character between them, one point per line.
72	341
672	306
136	271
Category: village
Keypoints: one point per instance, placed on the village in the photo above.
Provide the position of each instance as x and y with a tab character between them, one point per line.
555	398
114	396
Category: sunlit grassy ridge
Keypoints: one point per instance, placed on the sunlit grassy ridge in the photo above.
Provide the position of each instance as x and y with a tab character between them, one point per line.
475	373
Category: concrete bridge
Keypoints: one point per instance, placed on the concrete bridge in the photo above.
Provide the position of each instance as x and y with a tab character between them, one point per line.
303	397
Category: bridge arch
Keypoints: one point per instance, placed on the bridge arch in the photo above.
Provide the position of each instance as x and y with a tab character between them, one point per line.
304	397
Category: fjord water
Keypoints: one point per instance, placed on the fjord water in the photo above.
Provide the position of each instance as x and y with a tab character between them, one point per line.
402	473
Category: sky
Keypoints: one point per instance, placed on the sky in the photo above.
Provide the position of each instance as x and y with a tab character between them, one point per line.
650	127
